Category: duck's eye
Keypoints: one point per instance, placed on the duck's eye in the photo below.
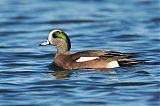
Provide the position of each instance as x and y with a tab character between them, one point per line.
54	35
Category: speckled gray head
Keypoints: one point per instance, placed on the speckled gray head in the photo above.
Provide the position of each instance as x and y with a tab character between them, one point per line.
59	39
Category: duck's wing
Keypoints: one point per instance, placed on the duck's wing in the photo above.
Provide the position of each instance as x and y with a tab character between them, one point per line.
100	54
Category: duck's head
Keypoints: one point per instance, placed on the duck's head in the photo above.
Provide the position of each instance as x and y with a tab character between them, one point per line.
59	39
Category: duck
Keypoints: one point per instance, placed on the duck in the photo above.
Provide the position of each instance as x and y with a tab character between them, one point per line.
89	59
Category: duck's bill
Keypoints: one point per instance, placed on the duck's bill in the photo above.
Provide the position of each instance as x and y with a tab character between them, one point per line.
44	43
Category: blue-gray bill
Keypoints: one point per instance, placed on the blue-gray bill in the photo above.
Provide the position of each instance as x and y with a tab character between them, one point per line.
44	43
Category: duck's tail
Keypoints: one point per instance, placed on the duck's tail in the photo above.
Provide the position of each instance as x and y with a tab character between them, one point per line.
130	62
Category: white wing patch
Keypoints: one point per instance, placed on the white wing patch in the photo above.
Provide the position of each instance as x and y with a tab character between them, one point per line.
112	64
83	59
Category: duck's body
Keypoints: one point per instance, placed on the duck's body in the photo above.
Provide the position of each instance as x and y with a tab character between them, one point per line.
85	59
89	59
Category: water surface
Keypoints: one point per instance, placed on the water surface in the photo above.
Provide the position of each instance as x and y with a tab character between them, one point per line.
27	77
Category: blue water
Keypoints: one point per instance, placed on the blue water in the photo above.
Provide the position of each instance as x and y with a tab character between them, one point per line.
27	77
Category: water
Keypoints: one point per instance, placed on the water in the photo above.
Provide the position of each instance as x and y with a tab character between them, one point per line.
26	75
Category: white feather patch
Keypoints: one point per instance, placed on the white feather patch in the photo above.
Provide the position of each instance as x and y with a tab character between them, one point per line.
83	59
112	64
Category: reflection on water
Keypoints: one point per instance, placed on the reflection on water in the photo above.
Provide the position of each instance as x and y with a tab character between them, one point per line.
28	78
62	74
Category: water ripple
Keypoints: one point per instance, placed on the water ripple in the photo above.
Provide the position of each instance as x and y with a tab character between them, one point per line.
28	77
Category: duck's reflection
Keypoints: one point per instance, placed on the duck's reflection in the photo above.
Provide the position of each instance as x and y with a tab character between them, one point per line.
60	73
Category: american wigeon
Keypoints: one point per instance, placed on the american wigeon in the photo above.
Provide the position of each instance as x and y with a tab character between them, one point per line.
84	59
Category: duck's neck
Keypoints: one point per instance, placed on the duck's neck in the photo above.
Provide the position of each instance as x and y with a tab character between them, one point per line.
62	48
